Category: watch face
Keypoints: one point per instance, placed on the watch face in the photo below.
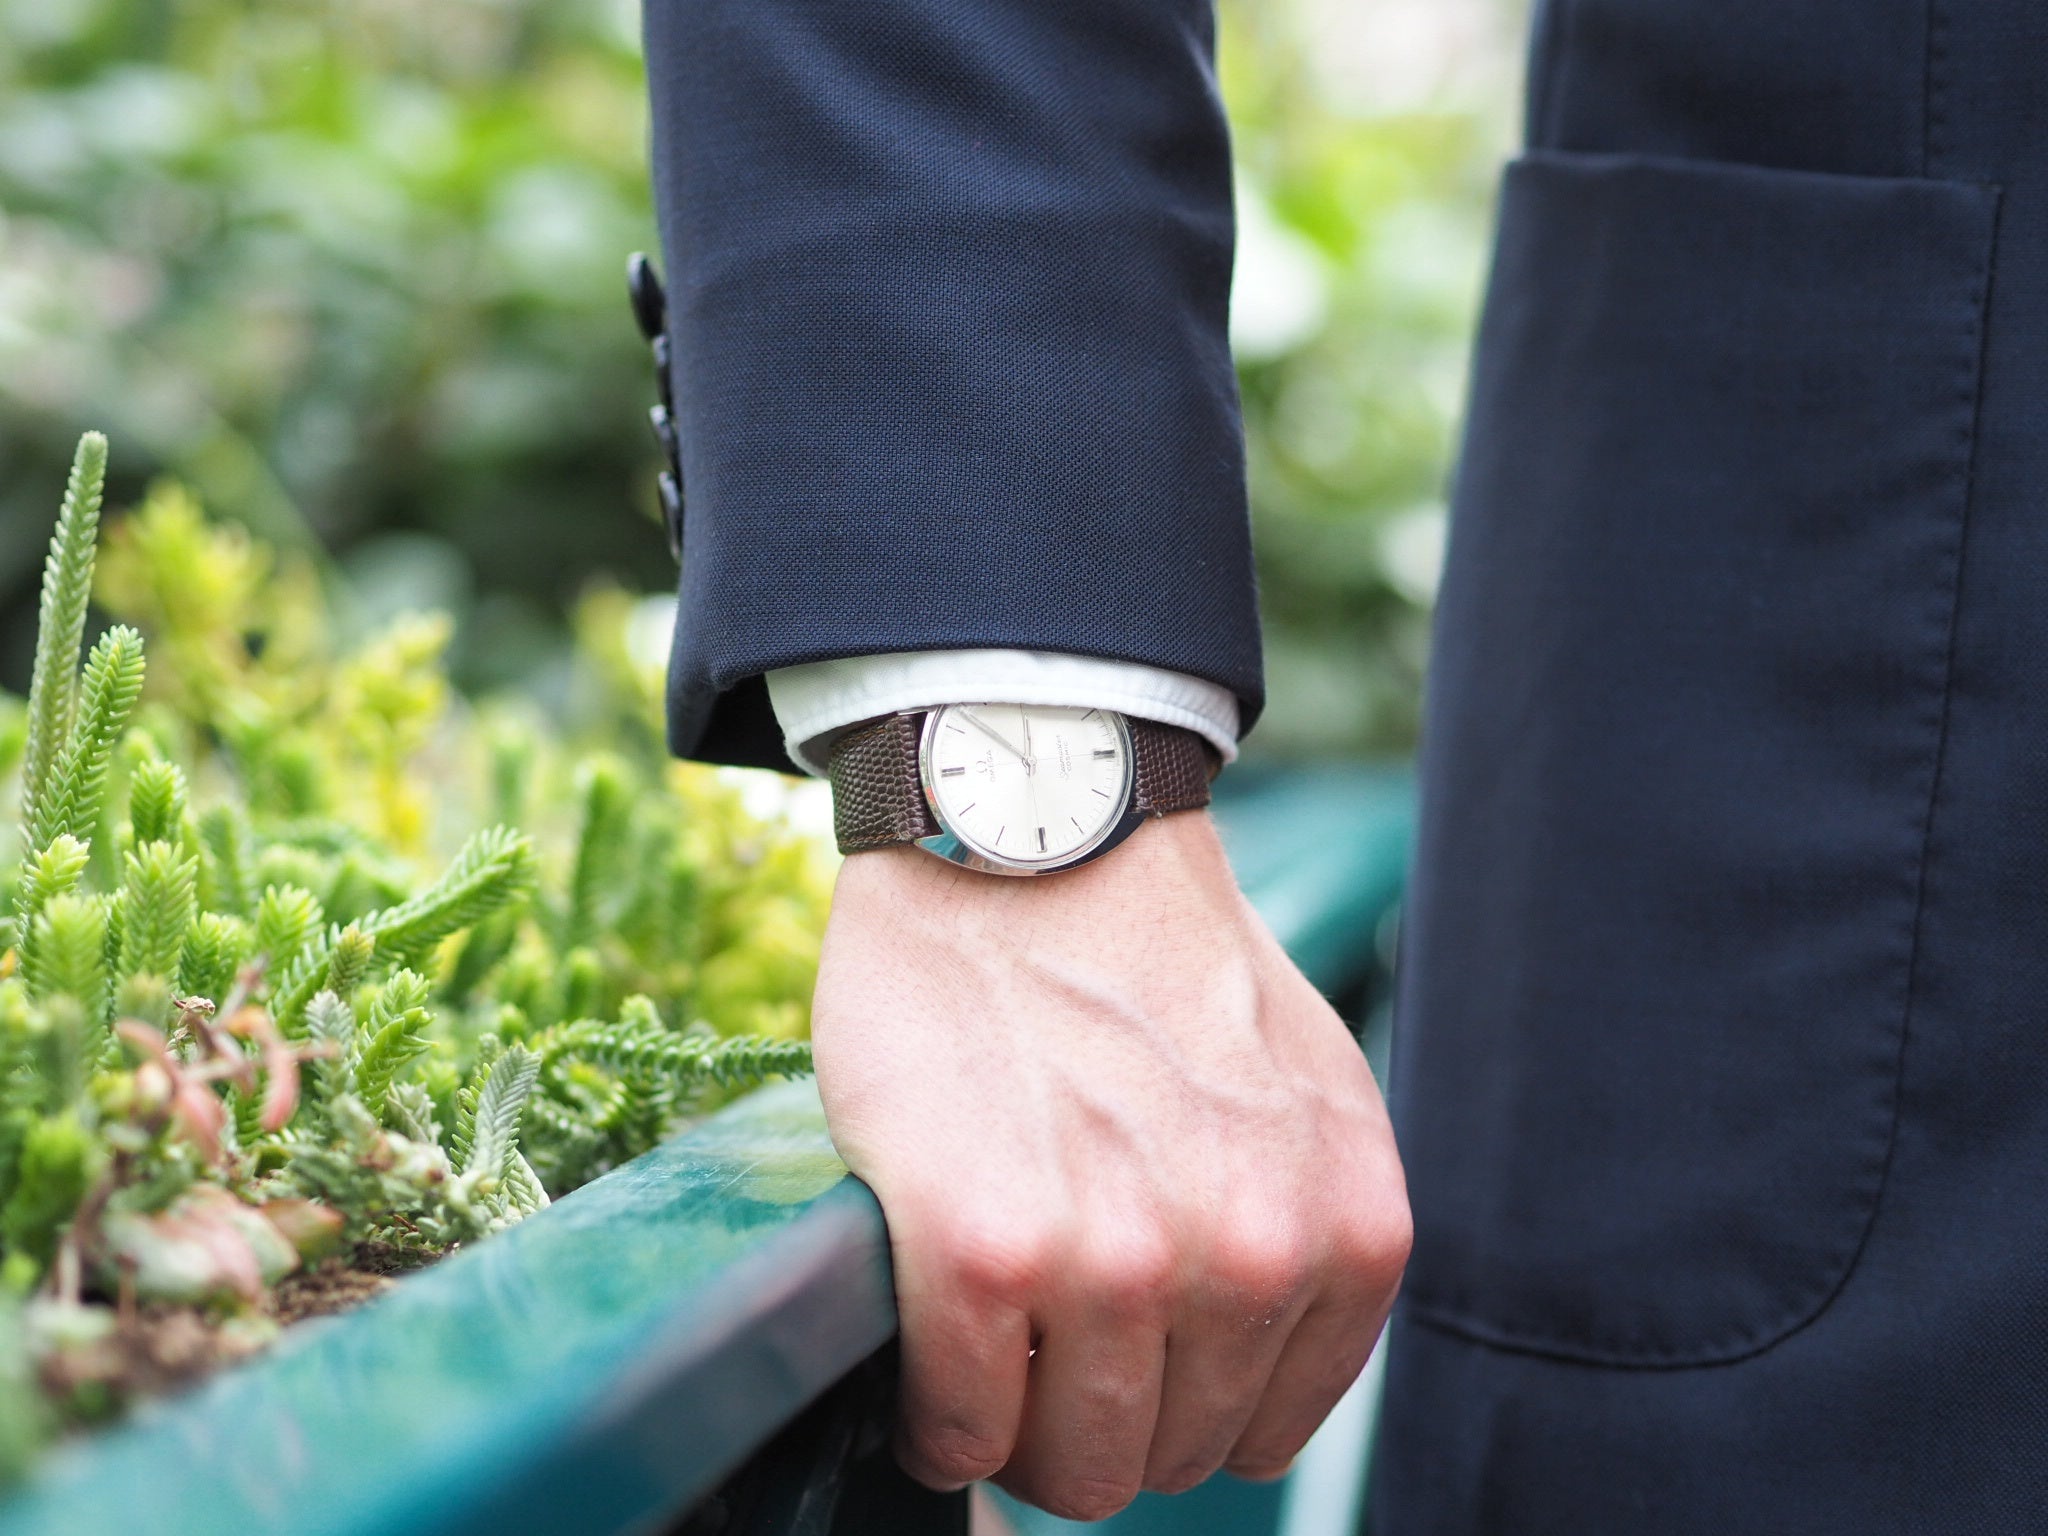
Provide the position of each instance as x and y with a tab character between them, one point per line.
1027	786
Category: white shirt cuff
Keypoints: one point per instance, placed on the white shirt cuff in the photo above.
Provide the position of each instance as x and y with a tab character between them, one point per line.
816	701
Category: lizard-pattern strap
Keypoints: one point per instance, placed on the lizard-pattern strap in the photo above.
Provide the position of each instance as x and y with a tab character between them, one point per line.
877	801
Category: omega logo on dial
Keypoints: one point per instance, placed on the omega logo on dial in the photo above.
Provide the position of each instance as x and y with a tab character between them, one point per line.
1028	786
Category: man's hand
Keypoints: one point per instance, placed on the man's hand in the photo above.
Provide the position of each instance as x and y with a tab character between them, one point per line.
1144	1203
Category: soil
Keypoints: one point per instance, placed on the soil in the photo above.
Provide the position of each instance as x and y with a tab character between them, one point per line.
321	1292
158	1348
336	1285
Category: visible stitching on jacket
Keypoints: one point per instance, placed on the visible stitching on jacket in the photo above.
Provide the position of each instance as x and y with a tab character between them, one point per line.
1934	106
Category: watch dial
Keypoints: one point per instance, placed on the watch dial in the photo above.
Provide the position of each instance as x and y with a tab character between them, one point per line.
1024	784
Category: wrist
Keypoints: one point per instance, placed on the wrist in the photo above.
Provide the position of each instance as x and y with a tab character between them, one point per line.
1164	858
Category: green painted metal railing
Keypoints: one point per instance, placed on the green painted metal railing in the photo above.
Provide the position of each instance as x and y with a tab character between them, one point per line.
608	1365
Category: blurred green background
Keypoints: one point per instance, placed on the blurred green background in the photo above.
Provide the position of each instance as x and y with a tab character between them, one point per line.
354	273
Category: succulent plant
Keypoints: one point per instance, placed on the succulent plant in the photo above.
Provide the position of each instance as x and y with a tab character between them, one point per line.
248	1017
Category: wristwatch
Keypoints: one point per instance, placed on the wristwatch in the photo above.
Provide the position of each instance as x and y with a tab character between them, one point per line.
1012	789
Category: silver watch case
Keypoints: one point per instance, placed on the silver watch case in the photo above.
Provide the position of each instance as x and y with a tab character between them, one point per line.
950	846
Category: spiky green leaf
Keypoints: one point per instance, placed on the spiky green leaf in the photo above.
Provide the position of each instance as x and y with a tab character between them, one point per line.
224	870
158	902
216	946
495	870
156	803
495	1136
606	799
74	794
69	952
287	921
395	1035
67	590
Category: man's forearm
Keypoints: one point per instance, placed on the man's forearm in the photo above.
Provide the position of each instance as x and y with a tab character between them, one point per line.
947	318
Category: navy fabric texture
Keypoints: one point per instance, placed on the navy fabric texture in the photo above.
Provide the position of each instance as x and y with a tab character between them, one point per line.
1701	655
948	285
1721	1056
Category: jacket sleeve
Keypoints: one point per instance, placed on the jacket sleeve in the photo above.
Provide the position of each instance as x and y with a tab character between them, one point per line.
948	288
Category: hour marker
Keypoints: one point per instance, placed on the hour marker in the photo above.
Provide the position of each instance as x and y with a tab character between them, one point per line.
1105	751
1041	839
999	836
1103	792
951	773
1077	824
1089	716
966	808
955	729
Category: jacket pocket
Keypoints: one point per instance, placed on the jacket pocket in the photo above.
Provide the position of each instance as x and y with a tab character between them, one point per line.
1685	720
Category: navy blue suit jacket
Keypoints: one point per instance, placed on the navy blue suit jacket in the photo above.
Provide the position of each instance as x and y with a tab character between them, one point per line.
1720	1065
948	283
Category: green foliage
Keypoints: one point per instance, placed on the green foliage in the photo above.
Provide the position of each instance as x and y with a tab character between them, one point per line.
156	803
212	955
295	996
1365	188
57	1161
338	270
494	1123
157	908
287	921
747	1060
394	1035
493	871
67	590
13	734
52	872
74	794
24	1418
68	952
349	958
598	844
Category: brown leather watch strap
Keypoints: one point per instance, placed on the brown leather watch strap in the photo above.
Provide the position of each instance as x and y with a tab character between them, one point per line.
878	800
1174	768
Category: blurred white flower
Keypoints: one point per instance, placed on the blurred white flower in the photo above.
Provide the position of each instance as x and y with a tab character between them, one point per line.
1281	292
1412	552
649	629
1391	56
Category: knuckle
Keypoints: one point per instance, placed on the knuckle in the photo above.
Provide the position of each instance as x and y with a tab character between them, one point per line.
1399	1236
953	1453
1107	1400
1261	1272
996	1264
1376	1246
1088	1498
1134	1280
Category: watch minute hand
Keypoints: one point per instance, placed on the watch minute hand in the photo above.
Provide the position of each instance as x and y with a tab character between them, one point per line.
995	735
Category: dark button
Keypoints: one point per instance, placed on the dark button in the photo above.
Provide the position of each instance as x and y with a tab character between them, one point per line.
665	434
662	383
650	304
672	512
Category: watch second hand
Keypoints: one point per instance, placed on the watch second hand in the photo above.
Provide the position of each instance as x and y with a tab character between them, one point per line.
1031	776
